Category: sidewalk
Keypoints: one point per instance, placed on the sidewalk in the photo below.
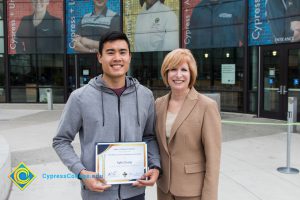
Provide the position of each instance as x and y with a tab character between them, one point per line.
250	156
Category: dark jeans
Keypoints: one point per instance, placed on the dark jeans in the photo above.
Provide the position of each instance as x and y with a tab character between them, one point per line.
139	197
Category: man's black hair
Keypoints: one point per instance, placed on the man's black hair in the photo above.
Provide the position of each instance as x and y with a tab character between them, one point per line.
112	36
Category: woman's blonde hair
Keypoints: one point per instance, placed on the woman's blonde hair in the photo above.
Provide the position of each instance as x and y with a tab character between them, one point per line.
176	57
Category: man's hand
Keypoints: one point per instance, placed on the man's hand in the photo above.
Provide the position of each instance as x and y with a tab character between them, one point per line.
152	176
92	182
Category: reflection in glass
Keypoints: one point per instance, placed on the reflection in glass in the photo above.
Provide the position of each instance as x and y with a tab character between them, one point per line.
210	75
271	82
31	74
253	79
1	45
1	28
1	10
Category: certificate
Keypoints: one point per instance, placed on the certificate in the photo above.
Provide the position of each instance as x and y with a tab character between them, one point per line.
121	163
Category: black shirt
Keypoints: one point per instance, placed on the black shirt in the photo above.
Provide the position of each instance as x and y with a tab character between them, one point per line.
47	37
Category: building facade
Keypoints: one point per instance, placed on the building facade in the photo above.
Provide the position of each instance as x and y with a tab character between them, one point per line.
248	51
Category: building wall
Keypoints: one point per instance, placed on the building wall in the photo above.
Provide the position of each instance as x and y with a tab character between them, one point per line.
223	37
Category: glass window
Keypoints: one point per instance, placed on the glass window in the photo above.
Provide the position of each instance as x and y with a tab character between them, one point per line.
2	71
81	69
221	71
31	75
2	94
1	10
71	73
88	67
253	73
145	66
1	28
1	45
2	79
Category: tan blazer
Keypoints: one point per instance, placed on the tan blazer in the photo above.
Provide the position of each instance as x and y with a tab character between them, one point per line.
191	159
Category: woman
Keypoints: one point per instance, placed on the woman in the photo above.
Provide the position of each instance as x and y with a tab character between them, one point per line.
188	129
40	32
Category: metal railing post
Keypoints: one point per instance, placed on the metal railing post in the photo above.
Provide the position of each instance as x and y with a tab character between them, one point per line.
291	118
49	98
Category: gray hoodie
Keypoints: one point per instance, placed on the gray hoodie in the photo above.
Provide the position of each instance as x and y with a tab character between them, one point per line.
99	115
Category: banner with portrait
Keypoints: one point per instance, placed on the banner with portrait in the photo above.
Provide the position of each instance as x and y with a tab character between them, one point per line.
152	29
35	27
272	22
87	20
212	24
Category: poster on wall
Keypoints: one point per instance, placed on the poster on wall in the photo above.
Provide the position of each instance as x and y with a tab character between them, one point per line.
272	22
228	74
35	27
212	23
87	20
151	27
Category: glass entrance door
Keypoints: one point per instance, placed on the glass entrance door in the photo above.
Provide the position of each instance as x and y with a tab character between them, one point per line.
280	79
88	67
273	83
293	83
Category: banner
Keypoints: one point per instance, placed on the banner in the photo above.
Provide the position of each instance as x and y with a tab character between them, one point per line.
212	24
151	27
273	21
35	27
87	20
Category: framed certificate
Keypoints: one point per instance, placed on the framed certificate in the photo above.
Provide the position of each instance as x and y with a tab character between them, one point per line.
121	163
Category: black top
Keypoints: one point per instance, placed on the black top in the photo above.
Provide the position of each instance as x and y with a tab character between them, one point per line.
47	37
93	26
217	24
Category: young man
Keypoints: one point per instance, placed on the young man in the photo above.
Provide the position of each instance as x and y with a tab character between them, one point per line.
111	108
95	24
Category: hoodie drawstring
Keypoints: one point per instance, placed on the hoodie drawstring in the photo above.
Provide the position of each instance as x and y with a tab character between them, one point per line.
137	101
103	117
136	98
137	105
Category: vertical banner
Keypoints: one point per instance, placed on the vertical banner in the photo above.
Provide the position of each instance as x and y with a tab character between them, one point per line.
151	27
258	27
187	9
272	22
35	27
212	24
87	20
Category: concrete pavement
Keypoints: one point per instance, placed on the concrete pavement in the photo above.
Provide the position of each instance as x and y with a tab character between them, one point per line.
250	156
